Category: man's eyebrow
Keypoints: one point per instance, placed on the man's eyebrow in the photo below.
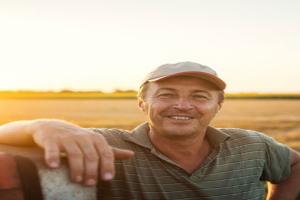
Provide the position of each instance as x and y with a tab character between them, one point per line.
168	89
202	91
164	90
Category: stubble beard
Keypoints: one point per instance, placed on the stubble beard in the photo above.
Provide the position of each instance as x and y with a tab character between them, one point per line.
174	132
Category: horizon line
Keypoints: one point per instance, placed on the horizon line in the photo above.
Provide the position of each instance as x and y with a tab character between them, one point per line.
129	91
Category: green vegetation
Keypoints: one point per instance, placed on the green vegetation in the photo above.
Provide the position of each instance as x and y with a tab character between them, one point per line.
124	94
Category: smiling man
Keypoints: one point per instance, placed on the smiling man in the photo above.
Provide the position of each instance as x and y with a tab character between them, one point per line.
177	155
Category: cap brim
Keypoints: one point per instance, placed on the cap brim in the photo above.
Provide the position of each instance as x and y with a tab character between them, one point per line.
202	75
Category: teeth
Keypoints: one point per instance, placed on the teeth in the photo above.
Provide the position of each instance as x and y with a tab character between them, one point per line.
180	117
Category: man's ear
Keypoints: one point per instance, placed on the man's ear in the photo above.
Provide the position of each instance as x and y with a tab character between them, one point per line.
141	104
220	105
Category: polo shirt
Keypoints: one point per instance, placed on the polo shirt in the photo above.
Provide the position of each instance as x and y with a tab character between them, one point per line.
237	167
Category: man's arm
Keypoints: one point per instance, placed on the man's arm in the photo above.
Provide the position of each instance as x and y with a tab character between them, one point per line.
17	133
87	152
289	188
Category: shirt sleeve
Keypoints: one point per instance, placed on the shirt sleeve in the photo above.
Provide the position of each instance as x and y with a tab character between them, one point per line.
277	165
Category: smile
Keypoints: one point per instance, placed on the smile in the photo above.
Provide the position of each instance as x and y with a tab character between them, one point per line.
177	117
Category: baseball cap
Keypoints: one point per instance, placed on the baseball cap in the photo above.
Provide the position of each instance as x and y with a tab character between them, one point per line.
185	69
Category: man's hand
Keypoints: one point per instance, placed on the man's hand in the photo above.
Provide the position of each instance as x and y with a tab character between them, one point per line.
87	152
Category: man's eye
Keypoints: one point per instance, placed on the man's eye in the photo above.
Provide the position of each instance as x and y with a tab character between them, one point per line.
165	95
200	97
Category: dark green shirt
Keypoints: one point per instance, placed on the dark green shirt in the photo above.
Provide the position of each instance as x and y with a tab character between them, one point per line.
237	167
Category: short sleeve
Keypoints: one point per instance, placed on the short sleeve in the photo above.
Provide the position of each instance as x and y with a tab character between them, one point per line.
277	165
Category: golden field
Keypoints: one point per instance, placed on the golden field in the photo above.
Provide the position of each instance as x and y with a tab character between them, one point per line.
278	118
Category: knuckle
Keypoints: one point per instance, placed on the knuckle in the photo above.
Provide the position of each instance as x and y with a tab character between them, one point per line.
98	137
91	173
84	137
52	157
76	170
76	167
91	157
107	154
75	154
52	152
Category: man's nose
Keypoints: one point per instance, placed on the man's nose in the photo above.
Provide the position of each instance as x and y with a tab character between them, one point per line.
183	104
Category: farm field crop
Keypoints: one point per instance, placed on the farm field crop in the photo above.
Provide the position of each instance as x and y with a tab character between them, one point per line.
278	118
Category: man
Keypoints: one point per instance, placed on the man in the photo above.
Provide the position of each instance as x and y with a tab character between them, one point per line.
175	154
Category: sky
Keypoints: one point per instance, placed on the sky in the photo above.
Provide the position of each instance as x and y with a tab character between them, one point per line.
106	45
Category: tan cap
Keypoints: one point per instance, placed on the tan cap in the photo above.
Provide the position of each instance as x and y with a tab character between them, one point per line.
185	68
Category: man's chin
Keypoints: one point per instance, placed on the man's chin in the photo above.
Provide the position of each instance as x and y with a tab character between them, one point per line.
179	133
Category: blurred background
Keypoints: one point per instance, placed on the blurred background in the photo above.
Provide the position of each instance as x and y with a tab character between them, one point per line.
82	61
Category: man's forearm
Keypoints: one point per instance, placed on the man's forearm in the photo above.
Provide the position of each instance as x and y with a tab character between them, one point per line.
288	189
16	133
21	133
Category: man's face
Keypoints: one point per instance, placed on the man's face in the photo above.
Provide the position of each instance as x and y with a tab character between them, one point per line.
180	106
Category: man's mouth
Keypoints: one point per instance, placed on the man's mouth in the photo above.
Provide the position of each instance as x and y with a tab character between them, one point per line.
180	117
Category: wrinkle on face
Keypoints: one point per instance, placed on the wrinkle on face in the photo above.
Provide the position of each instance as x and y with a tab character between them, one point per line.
180	107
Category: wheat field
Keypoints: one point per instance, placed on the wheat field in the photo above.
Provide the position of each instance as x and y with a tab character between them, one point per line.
278	118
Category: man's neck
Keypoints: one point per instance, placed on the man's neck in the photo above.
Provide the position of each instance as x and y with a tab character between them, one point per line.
189	153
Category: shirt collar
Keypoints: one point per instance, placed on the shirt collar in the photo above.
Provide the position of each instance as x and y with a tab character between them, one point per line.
140	136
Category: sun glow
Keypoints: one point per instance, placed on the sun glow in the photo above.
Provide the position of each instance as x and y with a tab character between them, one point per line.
95	45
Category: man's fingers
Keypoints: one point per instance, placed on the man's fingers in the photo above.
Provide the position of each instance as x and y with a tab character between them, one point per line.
52	153
75	160
91	161
98	152
122	154
106	155
87	156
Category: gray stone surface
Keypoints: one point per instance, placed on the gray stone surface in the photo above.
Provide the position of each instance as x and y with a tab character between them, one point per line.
55	183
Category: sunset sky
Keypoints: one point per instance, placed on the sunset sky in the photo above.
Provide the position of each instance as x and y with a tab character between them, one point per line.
106	45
